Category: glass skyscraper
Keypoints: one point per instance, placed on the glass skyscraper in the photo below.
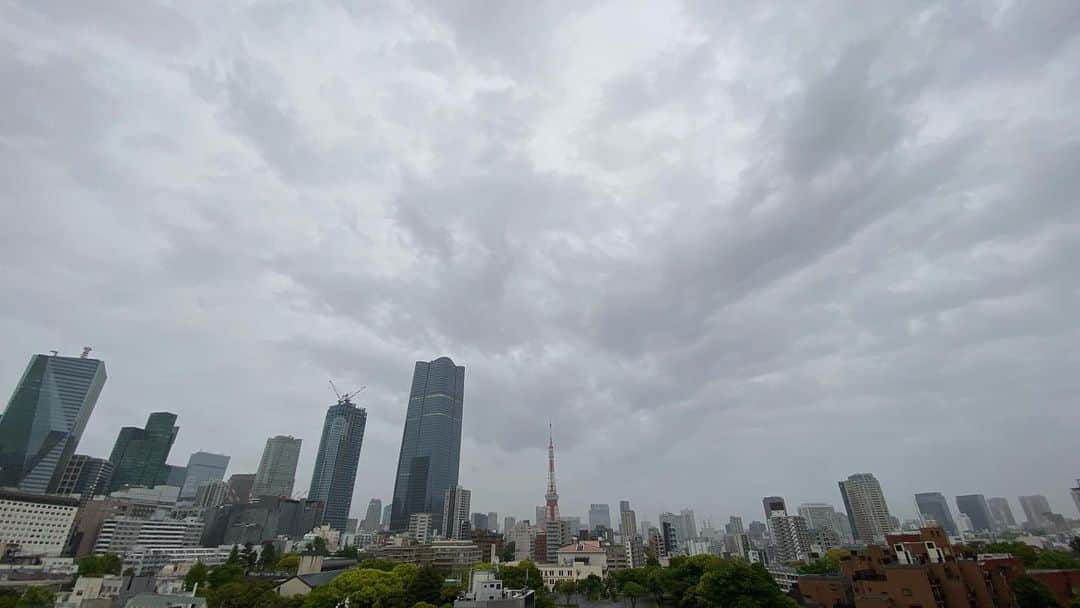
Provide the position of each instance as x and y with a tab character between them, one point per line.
430	444
933	507
45	418
335	464
139	455
277	468
203	467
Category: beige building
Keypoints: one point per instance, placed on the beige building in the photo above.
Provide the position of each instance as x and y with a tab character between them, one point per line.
576	562
38	524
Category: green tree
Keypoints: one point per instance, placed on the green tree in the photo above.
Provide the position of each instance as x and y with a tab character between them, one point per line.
568	589
377	564
8	598
1074	544
650	557
632	591
244	594
95	565
348	552
424	605
508	551
249	557
317	546
823	565
737	583
425	586
36	597
268	557
289	562
449	593
1055	560
234	555
1032	593
363	588
591	587
196	576
225	574
524	574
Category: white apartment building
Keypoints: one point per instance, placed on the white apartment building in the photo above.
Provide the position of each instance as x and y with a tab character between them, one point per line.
119	534
420	527
575	562
146	560
37	524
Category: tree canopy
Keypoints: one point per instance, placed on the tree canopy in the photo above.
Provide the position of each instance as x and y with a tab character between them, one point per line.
99	565
1032	593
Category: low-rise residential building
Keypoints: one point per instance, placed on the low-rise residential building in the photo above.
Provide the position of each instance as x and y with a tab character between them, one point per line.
149	560
313	571
487	591
38	524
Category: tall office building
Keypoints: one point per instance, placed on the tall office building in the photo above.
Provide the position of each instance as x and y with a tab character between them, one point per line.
139	455
45	418
201	468
628	527
508	524
933	508
599	515
734	525
865	505
335	464
85	476
819	516
773	505
493	521
430	443
1036	510
387	511
1075	493
240	485
277	467
974	506
479	521
175	475
1001	512
372	520
687	524
624	506
541	516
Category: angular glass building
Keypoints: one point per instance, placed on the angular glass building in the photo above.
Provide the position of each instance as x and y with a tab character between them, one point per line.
431	443
139	455
277	467
202	467
335	464
45	418
934	508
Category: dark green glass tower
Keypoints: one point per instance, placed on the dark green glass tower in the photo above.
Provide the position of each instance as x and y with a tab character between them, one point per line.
139	455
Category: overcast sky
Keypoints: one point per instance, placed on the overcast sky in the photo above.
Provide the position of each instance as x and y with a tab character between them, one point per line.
727	249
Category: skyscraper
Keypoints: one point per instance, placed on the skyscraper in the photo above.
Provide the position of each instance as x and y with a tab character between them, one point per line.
479	521
240	485
1075	492
734	525
933	508
85	476
791	537
201	468
865	505
277	467
139	455
387	511
45	418
687	524
974	506
372	516
599	515
335	464
628	527
1036	508
773	505
819	516
430	443
1001	512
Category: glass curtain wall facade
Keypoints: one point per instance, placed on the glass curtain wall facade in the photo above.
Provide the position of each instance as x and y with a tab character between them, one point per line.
139	455
335	464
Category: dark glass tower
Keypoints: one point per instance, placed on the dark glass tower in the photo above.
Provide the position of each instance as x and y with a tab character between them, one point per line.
335	465
45	419
431	443
139	455
974	506
933	506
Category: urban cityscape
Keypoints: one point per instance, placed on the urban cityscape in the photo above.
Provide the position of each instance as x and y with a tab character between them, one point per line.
158	522
539	304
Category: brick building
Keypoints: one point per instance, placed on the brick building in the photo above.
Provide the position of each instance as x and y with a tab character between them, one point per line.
914	570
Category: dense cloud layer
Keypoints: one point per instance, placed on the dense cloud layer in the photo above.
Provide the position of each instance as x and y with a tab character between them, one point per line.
728	251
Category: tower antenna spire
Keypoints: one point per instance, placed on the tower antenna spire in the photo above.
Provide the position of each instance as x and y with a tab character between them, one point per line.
551	499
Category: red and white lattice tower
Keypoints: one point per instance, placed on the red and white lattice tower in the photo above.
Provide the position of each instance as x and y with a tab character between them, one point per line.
552	497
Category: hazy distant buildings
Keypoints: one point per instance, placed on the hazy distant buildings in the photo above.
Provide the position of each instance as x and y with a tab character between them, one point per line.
386	513
372	518
1036	510
201	468
599	515
479	521
240	485
45	418
277	467
773	505
934	509
139	454
1075	493
336	461
1001	513
974	506
628	527
430	443
865	505
818	515
734	525
541	515
493	521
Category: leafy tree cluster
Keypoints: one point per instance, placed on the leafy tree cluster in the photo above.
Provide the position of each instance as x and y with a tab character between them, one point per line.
1032	593
1033	557
400	586
99	565
32	597
702	581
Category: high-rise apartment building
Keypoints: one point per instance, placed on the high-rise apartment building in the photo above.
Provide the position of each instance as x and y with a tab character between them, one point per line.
974	506
792	539
508	523
420	528
1036	510
734	525
1075	493
85	476
201	468
139	455
240	485
934	509
335	463
277	467
372	517
865	505
599	515
493	521
773	505
1001	512
687	525
430	443
45	418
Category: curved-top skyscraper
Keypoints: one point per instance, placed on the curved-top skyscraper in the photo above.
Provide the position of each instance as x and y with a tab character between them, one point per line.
334	476
430	443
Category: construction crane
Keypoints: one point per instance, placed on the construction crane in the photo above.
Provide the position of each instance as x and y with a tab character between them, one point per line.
343	398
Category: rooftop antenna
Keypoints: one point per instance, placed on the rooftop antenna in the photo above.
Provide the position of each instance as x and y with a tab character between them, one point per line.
85	352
